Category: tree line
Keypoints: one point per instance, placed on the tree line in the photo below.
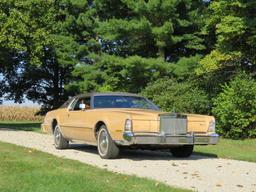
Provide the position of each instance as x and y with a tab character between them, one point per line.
195	56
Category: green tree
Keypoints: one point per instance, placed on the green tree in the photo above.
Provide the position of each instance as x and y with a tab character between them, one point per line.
175	96
153	28
112	73
140	41
230	32
235	108
184	68
41	42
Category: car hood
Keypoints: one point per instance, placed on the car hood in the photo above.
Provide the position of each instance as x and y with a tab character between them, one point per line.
138	114
144	114
148	120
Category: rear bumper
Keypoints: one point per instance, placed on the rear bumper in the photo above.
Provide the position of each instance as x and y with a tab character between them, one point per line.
156	139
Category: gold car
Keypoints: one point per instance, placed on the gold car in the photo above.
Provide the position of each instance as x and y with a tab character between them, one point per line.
117	120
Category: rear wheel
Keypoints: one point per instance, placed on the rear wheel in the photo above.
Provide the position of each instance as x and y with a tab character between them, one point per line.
107	148
183	151
59	141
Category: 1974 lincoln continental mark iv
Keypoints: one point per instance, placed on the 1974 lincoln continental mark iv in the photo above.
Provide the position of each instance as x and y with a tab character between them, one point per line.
112	121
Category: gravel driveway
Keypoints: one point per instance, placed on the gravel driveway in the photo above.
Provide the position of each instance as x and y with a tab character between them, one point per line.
198	173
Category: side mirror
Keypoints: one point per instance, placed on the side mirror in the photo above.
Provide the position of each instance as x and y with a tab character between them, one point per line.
82	106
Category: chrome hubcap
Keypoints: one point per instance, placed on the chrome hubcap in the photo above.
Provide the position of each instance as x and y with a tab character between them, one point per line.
103	142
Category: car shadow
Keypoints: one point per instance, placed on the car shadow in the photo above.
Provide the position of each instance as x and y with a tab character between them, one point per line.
206	154
140	155
84	148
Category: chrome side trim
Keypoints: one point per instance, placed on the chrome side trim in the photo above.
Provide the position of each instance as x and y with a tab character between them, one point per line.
78	127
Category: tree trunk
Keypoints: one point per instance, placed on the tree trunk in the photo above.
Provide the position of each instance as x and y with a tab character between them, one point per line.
161	52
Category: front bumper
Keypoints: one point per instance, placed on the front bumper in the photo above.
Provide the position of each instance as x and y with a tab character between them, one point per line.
131	138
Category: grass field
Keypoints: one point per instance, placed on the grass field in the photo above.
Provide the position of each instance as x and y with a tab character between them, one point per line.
21	125
25	170
231	149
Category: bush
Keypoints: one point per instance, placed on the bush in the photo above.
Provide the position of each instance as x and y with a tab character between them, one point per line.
235	108
177	97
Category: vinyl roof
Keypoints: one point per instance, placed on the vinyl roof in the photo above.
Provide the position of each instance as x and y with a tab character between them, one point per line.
66	104
107	94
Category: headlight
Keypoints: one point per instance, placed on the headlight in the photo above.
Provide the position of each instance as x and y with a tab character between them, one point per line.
212	126
128	125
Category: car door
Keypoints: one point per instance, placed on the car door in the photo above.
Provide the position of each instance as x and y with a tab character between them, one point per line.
77	126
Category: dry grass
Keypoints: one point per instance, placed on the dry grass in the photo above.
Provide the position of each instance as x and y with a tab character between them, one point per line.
19	113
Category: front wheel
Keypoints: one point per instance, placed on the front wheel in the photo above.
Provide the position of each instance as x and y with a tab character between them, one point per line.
107	148
183	151
59	141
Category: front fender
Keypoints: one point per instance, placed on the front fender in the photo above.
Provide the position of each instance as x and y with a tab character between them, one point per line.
115	125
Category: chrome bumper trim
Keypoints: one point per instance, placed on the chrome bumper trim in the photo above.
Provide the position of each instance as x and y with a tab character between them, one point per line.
206	139
157	139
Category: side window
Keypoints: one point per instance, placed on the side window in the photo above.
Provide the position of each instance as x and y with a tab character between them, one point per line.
66	104
73	105
83	100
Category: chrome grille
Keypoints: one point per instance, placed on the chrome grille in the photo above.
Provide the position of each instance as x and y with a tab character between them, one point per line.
173	124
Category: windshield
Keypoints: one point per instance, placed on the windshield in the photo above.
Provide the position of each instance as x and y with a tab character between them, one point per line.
119	101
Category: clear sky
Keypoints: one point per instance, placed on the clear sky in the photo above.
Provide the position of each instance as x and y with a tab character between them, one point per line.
26	103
